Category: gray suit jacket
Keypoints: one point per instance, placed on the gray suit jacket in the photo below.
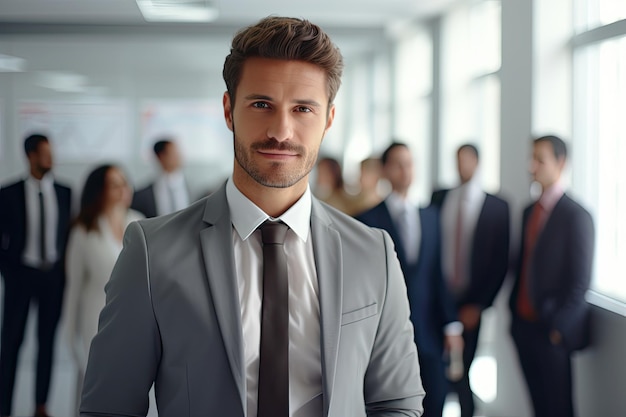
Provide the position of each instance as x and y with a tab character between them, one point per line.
173	318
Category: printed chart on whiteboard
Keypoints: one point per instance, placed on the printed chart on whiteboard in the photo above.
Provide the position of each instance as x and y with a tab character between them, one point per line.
80	132
197	126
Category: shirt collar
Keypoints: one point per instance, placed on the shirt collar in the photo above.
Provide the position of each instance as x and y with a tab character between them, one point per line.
45	183
551	196
471	190
173	178
247	216
397	204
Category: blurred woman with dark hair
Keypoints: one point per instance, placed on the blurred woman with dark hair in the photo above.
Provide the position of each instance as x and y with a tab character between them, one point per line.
94	245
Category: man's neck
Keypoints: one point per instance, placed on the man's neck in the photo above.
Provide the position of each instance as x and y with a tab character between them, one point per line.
273	201
404	194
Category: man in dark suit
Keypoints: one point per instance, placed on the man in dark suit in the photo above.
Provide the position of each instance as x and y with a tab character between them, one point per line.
168	193
549	311
475	237
34	224
416	235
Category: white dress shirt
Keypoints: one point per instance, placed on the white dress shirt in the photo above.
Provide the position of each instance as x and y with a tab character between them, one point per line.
406	218
305	371
469	198
31	255
170	193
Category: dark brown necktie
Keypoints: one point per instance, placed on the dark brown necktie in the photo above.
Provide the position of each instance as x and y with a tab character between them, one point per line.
273	385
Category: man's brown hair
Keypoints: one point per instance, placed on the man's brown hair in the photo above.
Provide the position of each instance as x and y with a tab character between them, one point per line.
284	38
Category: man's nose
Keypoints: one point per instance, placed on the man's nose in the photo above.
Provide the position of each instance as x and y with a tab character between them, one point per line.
281	126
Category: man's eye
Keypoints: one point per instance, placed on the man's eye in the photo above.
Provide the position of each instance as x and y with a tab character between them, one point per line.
303	109
260	105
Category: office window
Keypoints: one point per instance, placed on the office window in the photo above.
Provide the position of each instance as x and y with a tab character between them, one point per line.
470	83
591	14
412	92
599	146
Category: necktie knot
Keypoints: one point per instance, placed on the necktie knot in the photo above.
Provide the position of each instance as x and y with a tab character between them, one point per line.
273	233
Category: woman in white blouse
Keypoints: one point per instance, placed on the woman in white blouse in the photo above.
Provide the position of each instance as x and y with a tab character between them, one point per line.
94	245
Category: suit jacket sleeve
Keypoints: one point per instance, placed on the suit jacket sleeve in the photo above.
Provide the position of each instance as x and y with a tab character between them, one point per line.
501	255
393	366
75	271
581	248
125	353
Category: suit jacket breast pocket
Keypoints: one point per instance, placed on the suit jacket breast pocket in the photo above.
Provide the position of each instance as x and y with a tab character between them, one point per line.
359	314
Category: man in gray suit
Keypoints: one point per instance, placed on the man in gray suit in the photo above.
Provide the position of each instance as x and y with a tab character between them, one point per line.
188	308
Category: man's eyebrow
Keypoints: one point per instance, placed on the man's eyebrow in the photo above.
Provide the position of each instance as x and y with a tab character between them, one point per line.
306	102
257	97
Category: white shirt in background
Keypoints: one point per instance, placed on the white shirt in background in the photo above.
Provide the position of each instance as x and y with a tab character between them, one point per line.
31	255
405	216
470	198
170	193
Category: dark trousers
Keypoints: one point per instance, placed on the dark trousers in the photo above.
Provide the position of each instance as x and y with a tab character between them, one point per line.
547	369
432	371
462	387
21	286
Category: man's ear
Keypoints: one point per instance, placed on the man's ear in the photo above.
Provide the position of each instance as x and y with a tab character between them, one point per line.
330	118
228	110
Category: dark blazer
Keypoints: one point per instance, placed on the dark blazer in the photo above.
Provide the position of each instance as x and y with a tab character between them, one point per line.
489	256
431	303
13	222
144	201
560	271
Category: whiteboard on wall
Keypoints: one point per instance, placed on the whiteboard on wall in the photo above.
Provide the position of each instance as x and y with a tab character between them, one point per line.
198	127
80	132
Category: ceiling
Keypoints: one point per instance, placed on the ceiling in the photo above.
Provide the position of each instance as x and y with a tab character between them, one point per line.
108	34
342	13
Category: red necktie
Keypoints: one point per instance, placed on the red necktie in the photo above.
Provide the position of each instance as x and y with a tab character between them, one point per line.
525	308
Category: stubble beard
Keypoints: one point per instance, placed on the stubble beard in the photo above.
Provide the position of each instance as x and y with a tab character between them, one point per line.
278	175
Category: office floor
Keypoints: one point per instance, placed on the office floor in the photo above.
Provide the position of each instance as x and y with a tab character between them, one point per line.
62	395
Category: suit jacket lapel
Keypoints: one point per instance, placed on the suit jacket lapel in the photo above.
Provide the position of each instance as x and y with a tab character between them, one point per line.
389	225
21	201
219	259
328	262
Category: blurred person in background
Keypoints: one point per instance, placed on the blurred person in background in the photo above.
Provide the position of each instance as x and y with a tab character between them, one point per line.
415	233
368	195
94	245
550	317
168	193
329	184
35	217
475	236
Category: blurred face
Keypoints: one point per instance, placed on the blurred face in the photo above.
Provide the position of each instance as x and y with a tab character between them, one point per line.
545	168
370	175
325	178
170	158
279	119
398	169
117	192
467	162
40	161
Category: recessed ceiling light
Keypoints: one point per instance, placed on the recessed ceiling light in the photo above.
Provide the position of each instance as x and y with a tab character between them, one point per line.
10	63
63	82
178	10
